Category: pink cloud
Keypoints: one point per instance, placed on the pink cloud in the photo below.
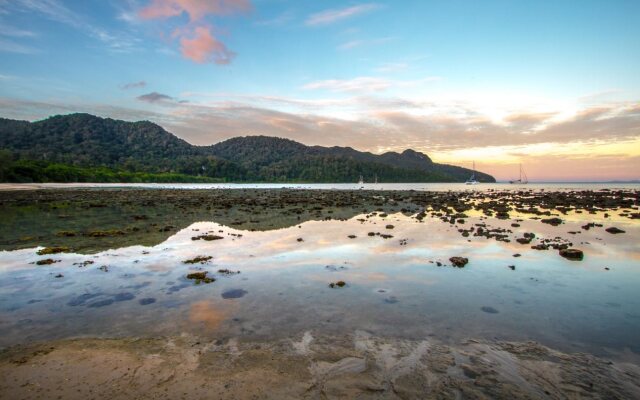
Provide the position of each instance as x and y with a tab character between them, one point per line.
203	47
196	41
196	9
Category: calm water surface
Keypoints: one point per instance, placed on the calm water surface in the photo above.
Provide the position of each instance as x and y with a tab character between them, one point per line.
394	286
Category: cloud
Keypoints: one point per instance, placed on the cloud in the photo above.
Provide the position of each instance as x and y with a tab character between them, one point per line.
6	30
334	15
202	47
278	20
9	46
154	97
197	43
195	9
56	11
134	85
360	84
392	67
362	42
364	84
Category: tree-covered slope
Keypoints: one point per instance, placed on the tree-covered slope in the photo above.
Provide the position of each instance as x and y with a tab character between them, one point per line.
85	144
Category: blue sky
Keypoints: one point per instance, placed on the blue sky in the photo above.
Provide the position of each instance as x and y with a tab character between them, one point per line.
545	83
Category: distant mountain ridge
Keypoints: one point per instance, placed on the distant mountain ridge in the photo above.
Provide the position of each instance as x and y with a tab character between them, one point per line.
87	141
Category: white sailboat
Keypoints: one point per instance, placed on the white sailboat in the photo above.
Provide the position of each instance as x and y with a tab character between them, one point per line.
472	179
376	179
361	180
523	177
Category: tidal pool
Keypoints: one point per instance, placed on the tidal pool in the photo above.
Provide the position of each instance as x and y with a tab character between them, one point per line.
274	283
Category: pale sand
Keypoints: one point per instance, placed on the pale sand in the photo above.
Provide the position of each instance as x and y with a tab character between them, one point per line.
356	366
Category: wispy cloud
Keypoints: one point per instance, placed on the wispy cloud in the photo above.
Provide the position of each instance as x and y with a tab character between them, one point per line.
334	15
9	46
134	85
364	84
364	42
197	41
278	20
57	11
360	84
7	30
392	67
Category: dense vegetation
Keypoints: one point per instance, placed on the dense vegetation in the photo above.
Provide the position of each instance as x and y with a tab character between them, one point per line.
85	148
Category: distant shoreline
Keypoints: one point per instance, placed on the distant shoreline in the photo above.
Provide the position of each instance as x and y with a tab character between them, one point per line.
327	186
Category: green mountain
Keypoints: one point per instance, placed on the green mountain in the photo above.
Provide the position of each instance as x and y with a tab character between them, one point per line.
83	147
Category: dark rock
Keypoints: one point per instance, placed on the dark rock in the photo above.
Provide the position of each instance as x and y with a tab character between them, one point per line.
198	260
551	221
459	262
572	254
53	250
47	261
207	237
614	230
489	310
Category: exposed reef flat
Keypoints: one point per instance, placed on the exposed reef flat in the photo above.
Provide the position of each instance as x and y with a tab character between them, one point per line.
308	367
148	217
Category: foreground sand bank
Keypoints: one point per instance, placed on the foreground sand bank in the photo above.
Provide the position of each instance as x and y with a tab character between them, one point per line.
352	366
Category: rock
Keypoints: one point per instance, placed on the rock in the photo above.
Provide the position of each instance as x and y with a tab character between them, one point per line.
300	240
352	236
200	277
572	254
512	267
47	261
489	310
53	250
551	221
198	260
197	275
226	271
207	237
459	262
389	226
337	284
614	230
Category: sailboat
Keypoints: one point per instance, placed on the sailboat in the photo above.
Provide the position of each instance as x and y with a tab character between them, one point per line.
472	179
523	177
376	179
361	181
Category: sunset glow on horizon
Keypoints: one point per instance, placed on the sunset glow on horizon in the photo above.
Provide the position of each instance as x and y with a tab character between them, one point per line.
553	86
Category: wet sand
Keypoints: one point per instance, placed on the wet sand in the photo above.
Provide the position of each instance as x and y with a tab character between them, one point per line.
355	366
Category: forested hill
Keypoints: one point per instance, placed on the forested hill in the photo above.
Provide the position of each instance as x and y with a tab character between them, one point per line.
83	147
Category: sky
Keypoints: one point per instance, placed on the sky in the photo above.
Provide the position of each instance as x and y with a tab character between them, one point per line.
552	85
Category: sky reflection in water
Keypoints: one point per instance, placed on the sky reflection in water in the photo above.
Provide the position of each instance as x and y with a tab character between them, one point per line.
392	289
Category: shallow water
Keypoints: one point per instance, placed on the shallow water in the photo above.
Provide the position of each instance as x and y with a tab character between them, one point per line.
394	287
